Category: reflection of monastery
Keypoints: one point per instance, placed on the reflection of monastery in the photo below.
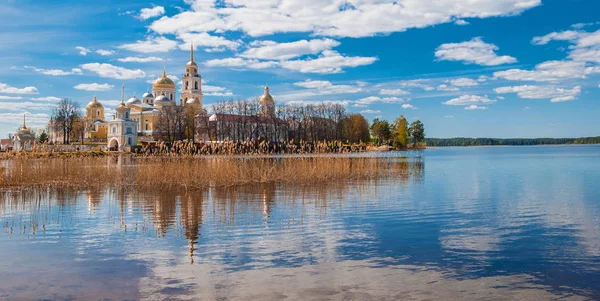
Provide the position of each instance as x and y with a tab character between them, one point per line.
138	118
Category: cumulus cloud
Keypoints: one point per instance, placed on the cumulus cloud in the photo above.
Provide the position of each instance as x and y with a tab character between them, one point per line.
542	92
330	17
211	42
34	119
240	63
461	22
269	50
366	101
55	72
324	87
408	106
209	90
328	62
547	72
151	45
111	71
370	112
136	59
463	82
104	52
94	87
444	87
82	50
47	98
394	92
568	35
147	13
9	97
585	45
4	88
475	107
468	100
475	51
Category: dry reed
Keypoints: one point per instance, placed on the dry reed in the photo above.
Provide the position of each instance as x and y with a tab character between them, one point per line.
157	173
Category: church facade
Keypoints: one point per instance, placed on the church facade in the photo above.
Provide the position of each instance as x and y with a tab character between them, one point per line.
136	117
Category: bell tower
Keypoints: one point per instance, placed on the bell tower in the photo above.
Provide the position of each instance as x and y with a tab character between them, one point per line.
191	88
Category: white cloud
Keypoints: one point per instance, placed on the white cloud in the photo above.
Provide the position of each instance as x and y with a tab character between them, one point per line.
547	72
417	83
4	88
331	17
466	100
104	52
475	51
147	13
213	43
151	45
463	82
327	63
33	119
141	59
209	90
47	98
408	106
395	92
240	63
23	106
94	87
363	102
111	71
568	35
82	50
447	88
461	22
269	50
55	72
542	92
370	112
5	97
324	87
475	107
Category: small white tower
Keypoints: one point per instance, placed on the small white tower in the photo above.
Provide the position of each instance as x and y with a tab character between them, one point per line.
121	129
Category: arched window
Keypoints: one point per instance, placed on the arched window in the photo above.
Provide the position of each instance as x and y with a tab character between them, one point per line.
171	96
98	113
129	140
114	129
126	115
187	85
196	86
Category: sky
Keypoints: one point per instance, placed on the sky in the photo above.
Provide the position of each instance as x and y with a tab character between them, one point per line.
465	68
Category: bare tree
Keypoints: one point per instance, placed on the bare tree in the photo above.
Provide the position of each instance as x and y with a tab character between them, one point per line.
64	118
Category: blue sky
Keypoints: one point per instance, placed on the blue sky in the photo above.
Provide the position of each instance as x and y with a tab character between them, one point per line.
486	68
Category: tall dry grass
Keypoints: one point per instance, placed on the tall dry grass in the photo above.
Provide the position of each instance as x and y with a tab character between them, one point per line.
157	173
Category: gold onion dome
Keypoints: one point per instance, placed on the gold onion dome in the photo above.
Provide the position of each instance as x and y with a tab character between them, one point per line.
94	104
267	98
164	80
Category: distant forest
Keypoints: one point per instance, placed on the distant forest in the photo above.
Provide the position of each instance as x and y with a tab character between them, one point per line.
508	141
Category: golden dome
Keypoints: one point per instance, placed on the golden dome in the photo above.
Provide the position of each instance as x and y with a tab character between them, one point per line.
94	104
267	98
164	80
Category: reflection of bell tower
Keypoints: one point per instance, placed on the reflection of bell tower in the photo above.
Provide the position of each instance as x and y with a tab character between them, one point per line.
191	219
163	212
267	196
191	83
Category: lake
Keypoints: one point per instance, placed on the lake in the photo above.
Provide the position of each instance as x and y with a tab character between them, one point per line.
481	223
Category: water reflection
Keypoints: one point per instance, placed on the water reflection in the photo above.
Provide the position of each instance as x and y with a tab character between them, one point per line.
441	233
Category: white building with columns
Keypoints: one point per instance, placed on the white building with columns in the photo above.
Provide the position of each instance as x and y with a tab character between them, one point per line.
122	130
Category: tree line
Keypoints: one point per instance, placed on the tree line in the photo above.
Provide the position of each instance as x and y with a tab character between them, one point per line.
398	134
438	142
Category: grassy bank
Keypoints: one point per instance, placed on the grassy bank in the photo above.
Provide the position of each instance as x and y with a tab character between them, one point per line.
157	173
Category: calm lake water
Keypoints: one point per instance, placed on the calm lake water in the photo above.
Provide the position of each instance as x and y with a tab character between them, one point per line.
484	223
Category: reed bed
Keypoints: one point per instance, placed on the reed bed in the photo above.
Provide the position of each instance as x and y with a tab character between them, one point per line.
159	173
